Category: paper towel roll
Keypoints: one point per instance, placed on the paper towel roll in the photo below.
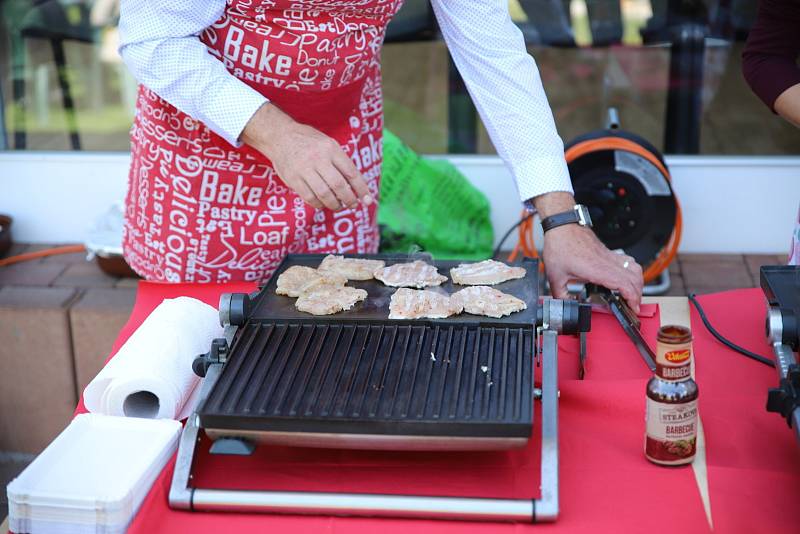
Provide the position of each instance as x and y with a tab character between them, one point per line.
151	375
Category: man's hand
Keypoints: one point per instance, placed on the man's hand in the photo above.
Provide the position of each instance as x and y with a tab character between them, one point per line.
309	162
574	253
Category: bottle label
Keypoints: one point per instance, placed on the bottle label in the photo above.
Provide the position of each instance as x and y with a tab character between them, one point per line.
674	362
671	430
674	372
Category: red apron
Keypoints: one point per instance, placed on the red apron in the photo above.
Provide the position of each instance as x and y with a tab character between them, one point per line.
201	210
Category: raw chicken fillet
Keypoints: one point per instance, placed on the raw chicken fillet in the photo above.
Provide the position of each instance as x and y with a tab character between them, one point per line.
414	274
417	304
350	268
298	279
488	272
327	300
484	300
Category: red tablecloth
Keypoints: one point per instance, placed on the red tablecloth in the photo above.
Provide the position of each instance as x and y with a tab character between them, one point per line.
606	483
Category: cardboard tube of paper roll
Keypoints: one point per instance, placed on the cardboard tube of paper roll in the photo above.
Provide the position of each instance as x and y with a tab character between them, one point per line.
151	375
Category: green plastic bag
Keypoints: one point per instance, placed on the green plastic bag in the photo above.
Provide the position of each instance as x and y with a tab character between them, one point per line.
430	206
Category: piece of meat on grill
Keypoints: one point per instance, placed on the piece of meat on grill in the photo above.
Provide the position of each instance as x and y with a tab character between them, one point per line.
414	274
298	279
327	300
351	268
422	303
487	272
485	300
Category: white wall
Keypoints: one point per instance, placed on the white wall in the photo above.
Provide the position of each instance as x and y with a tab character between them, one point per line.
54	197
730	204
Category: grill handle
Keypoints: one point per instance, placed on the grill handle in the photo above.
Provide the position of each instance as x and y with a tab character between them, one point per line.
234	309
564	316
217	354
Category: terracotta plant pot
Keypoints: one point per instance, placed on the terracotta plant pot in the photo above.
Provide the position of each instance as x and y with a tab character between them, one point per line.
5	234
115	265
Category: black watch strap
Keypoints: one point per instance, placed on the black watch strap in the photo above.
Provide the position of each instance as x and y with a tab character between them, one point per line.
577	215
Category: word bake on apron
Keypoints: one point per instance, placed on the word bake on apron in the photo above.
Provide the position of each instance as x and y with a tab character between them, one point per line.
201	210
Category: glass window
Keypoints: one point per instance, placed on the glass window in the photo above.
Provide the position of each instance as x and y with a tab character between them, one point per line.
64	86
671	68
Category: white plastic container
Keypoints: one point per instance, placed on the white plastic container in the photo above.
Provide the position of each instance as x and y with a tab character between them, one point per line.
93	477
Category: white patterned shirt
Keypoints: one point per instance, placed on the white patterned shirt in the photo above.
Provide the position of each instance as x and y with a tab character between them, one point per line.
160	45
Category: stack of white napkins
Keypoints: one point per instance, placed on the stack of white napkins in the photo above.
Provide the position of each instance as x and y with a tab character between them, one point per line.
93	477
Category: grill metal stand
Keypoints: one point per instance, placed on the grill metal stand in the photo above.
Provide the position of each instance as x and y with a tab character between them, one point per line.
184	496
781	285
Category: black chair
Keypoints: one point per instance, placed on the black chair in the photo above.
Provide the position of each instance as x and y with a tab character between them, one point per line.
56	22
414	22
684	26
605	22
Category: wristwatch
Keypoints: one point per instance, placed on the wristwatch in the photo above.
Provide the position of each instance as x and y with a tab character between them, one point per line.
579	214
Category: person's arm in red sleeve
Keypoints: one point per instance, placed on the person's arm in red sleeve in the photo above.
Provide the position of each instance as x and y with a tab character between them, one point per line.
769	60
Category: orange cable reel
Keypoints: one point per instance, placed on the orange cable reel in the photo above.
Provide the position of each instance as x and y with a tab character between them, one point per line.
653	269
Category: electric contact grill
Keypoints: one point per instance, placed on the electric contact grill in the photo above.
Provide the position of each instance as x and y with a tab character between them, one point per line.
359	380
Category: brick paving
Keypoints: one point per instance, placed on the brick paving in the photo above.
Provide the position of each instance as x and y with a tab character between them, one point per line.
95	321
37	385
11	465
45	370
710	273
84	275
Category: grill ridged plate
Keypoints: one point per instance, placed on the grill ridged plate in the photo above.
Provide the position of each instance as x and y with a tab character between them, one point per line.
371	375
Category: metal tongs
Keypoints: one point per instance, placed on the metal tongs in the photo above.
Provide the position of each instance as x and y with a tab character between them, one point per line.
628	320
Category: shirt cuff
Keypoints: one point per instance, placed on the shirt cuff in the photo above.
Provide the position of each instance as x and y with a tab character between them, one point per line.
227	109
542	175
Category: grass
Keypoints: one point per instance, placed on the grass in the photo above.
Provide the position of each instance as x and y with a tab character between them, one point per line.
108	119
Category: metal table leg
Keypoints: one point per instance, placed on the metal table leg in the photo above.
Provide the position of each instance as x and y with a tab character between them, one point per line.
546	507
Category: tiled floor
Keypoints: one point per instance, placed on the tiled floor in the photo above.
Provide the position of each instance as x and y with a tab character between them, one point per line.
101	304
710	273
63	270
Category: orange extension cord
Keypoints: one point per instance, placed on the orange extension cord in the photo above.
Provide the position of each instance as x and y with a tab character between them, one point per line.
68	249
527	247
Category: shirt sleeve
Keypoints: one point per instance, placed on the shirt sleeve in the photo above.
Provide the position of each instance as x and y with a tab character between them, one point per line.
159	43
769	59
503	81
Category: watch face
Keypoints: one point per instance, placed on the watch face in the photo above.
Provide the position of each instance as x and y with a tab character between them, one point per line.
584	219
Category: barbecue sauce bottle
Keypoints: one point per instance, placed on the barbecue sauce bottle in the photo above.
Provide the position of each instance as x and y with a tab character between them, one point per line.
671	435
